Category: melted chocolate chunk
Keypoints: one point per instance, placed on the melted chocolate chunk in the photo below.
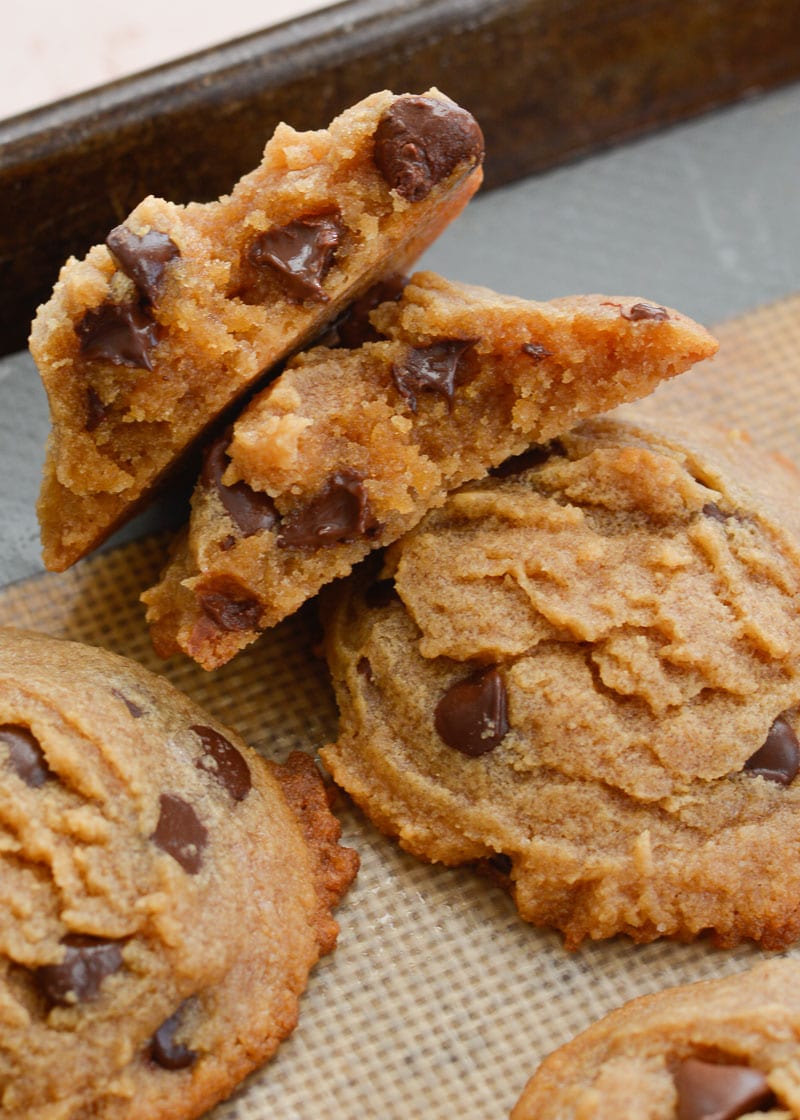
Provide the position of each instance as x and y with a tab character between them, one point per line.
536	454
134	709
536	351
224	762
165	1051
95	410
340	512
302	252
430	368
353	329
710	1091
420	141
25	755
143	259
228	604
180	833
120	333
87	961
252	511
779	758
472	716
641	311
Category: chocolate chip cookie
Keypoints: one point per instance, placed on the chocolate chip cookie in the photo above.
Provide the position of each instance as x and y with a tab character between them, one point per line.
585	673
714	1050
165	891
355	442
150	337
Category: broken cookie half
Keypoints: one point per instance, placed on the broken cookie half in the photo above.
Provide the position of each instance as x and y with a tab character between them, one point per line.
349	448
155	333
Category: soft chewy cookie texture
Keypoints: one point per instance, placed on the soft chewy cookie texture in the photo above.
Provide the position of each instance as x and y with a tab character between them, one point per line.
586	672
155	333
165	891
354	442
713	1050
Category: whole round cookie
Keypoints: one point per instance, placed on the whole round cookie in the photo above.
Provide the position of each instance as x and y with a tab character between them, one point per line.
586	672
713	1050
165	891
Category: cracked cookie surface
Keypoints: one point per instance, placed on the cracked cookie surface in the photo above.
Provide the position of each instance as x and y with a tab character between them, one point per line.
165	891
587	673
721	1049
350	447
146	341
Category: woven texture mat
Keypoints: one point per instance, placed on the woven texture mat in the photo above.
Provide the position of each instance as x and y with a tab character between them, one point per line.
439	1001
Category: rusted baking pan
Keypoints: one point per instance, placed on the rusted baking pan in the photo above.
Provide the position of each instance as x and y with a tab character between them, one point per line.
548	80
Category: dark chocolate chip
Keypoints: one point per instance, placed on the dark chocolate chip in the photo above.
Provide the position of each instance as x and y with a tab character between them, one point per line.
95	410
134	709
353	329
536	351
711	1091
180	833
165	1051
472	716
340	512
302	252
25	755
381	593
121	333
432	368
778	760
536	454
420	141
143	258
229	604
712	510
224	762
87	961
252	511
640	311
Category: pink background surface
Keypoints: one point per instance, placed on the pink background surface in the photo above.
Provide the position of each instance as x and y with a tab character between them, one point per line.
52	49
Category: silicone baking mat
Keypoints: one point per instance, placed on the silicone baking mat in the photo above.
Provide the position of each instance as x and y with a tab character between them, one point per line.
439	1001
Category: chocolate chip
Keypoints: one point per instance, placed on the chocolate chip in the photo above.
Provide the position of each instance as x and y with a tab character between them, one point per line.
536	351
252	511
134	709
180	833
95	410
224	762
711	1091
121	333
165	1051
302	252
420	141
143	258
381	593
87	961
340	512
778	760
432	368
641	311
229	604
25	755
472	716
353	329
536	454
712	510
